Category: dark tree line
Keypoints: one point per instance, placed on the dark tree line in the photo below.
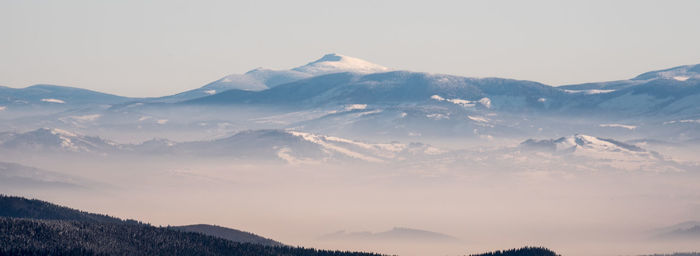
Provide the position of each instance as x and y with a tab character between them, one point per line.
525	251
18	207
678	254
60	237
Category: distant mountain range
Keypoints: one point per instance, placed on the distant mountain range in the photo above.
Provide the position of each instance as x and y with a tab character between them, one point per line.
295	147
338	80
689	230
348	97
289	146
397	234
16	176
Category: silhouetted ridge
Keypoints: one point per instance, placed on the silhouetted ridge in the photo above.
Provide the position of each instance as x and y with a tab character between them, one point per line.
677	254
525	251
18	207
228	234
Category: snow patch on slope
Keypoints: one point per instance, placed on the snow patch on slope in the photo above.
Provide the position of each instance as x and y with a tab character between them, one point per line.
53	101
593	91
485	102
355	107
321	141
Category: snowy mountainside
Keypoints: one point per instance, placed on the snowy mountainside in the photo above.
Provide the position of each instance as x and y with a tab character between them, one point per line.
261	78
301	147
576	152
56	140
394	88
279	145
596	152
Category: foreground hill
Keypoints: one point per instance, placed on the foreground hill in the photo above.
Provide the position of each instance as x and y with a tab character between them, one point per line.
525	251
57	237
17	207
33	227
228	234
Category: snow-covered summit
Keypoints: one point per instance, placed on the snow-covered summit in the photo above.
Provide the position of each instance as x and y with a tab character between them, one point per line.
335	63
681	73
581	142
260	79
592	147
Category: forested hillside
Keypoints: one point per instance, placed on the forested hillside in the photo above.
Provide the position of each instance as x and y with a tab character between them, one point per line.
18	207
525	251
228	234
33	227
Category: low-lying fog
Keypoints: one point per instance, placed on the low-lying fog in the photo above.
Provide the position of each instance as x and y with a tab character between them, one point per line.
491	204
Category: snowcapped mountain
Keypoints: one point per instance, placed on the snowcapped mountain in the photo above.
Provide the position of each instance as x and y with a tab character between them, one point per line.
596	153
54	140
261	79
587	145
673	91
680	73
655	98
336	63
336	80
398	102
255	80
397	87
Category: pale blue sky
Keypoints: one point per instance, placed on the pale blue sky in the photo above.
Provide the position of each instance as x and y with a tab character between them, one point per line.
151	48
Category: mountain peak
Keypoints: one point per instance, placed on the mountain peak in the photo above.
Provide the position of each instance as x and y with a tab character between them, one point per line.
336	63
330	57
582	142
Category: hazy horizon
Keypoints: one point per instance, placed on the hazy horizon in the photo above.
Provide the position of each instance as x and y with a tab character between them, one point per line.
157	48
